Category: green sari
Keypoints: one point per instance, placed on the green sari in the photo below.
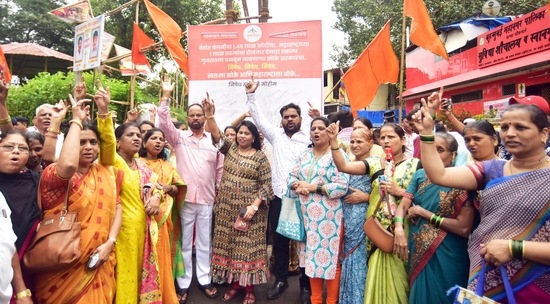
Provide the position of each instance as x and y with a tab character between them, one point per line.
387	280
435	253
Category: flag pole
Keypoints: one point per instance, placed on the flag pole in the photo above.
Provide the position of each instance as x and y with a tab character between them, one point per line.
332	90
402	66
133	76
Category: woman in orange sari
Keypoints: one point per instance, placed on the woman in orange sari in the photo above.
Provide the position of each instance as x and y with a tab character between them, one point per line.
93	193
170	260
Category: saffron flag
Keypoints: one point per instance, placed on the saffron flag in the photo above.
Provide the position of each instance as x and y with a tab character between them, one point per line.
342	89
377	65
139	41
4	69
127	68
170	32
422	29
78	12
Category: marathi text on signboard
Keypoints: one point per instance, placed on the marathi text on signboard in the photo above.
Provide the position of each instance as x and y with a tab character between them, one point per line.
523	36
88	43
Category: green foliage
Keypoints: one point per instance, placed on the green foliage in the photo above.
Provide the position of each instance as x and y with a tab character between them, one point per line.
48	88
28	21
362	19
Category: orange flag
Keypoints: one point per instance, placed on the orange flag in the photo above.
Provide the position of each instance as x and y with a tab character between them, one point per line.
170	32
4	69
139	41
377	65
422	29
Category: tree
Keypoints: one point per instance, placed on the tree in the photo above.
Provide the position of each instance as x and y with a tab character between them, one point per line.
362	19
28	21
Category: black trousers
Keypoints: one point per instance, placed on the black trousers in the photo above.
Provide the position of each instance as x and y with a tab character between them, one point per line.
280	246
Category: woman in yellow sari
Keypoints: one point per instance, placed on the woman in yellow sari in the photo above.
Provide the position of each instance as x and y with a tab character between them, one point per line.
170	260
93	192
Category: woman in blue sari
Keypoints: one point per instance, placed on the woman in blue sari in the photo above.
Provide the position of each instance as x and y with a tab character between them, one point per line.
356	203
438	257
514	209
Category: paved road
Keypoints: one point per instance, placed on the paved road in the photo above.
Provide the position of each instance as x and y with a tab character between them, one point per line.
290	296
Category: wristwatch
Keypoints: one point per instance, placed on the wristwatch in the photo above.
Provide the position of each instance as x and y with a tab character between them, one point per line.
254	207
23	294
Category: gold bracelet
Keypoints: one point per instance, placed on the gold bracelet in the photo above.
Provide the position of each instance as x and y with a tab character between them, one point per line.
5	121
209	117
23	294
78	123
51	130
112	239
334	149
103	116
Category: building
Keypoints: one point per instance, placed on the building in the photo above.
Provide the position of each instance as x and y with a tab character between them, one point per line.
482	73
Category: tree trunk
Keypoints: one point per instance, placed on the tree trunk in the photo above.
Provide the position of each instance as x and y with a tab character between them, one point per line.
245	10
229	11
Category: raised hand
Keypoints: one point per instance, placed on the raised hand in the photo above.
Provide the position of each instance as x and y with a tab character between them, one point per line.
313	111
80	90
102	98
79	108
434	100
251	86
132	115
444	107
167	87
332	131
423	119
208	105
4	88
60	110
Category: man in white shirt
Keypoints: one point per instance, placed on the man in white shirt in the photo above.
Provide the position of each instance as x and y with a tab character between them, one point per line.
288	142
41	122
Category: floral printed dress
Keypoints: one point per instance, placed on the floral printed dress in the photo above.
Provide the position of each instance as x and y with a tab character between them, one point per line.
322	213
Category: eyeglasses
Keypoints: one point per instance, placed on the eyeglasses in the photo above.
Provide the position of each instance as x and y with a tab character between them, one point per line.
10	148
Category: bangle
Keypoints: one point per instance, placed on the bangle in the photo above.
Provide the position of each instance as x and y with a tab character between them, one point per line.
432	218
319	189
112	239
430	138
517	249
78	123
5	121
104	115
254	207
54	136
23	294
334	149
209	117
440	222
398	219
51	130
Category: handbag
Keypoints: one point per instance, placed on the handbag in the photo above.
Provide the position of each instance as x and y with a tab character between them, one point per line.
381	237
466	296
56	244
241	224
291	221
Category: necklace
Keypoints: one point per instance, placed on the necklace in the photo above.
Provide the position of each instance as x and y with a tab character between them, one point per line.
131	164
541	163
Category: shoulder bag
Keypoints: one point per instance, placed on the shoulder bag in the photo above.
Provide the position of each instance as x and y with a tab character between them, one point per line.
381	237
56	243
291	222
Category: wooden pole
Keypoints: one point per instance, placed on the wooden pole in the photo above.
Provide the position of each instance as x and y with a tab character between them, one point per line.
402	67
133	77
332	90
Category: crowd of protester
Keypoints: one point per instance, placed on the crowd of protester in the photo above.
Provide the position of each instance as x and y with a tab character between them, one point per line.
151	195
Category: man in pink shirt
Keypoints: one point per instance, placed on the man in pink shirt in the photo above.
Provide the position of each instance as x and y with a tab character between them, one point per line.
200	165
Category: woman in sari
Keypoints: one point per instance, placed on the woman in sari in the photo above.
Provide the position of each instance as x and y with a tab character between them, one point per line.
320	187
387	280
240	257
356	202
514	217
170	260
93	194
437	250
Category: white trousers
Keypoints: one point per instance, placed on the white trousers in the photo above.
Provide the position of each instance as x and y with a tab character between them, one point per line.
199	217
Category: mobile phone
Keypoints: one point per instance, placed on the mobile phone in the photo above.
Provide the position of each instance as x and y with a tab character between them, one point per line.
92	261
382	178
449	104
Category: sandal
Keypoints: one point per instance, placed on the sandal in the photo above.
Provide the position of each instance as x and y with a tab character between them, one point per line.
249	298
181	294
209	291
231	294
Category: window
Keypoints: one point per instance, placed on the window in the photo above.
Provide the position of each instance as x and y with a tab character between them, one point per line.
474	95
509	89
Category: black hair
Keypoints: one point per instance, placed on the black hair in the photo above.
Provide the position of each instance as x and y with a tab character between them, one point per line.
177	124
145	122
484	127
346	118
195	105
376	136
230	127
325	120
120	129
364	121
291	106
142	152
21	119
397	129
89	125
452	144
256	144
538	117
4	135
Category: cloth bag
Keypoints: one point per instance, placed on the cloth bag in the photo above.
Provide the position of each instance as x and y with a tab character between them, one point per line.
466	296
381	237
291	221
56	243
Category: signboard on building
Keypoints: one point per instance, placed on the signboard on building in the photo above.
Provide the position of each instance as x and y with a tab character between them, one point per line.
523	36
286	58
